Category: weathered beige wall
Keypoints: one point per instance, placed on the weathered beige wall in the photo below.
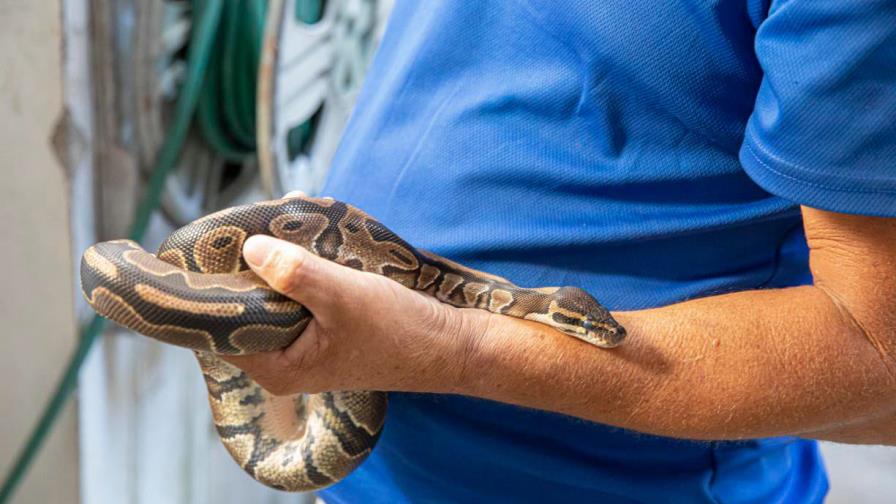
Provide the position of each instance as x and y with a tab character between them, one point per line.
36	315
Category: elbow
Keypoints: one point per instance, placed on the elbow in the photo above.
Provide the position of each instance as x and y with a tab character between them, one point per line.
884	344
874	326
877	330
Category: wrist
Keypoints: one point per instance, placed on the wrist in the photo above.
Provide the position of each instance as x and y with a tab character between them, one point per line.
481	349
476	331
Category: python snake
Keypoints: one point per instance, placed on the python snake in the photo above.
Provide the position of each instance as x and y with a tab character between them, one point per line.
197	292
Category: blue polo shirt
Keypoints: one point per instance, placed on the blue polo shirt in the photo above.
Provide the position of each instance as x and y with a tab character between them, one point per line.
647	151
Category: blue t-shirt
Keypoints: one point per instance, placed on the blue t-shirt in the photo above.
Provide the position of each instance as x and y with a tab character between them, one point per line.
647	151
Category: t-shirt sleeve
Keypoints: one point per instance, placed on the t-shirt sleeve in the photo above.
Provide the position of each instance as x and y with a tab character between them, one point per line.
823	129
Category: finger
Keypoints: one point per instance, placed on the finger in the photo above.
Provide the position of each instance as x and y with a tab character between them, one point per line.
289	370
266	369
254	363
298	274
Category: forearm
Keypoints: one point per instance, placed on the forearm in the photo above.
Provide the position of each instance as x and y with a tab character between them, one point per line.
743	365
817	361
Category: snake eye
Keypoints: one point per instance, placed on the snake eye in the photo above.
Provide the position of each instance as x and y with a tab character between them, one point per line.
587	324
222	241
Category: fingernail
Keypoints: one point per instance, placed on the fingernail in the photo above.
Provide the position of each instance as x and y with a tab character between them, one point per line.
257	249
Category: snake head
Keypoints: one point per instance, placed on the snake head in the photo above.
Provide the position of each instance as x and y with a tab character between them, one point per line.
581	316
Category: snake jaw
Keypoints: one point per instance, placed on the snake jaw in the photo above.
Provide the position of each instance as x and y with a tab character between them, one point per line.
602	333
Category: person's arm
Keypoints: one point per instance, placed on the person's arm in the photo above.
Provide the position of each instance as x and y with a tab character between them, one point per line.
816	361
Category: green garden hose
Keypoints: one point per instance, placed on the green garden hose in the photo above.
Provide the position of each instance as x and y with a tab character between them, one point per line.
226	112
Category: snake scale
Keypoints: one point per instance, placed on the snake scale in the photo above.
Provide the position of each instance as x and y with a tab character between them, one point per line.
197	292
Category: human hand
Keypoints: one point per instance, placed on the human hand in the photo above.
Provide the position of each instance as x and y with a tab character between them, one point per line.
368	332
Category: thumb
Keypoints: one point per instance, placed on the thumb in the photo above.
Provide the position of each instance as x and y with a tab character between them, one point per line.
298	274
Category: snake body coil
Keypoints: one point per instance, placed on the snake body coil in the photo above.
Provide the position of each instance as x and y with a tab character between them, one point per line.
198	293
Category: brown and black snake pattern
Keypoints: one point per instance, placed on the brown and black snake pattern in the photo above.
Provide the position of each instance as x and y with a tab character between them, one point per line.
198	293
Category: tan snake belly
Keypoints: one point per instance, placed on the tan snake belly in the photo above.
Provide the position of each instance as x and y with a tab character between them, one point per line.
198	293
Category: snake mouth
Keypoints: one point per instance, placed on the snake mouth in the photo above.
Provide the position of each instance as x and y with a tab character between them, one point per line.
602	333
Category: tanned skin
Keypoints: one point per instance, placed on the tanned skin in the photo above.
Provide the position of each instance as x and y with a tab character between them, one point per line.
813	361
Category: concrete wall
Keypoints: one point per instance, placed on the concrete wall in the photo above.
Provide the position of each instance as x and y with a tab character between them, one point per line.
37	327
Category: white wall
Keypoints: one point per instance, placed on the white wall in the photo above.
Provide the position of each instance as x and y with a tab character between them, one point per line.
37	328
